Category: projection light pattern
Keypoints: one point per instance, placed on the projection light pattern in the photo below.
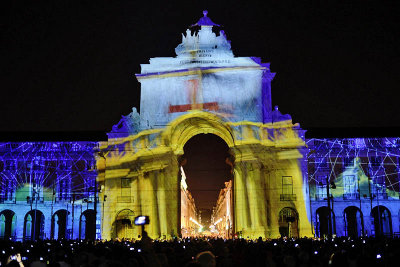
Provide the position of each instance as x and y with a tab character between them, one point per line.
51	168
357	167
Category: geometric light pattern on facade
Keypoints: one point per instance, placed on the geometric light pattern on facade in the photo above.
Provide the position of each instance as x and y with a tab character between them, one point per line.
373	158
362	178
48	189
282	183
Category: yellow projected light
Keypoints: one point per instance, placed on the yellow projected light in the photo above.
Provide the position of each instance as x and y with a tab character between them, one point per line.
269	185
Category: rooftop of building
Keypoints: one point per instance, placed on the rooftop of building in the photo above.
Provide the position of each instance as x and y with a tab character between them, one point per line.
313	132
52	136
352	132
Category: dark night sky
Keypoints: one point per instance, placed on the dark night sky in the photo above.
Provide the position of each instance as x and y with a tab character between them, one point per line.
70	65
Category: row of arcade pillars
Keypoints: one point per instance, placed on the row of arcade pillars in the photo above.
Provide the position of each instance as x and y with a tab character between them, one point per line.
154	190
160	201
250	219
34	225
354	224
256	206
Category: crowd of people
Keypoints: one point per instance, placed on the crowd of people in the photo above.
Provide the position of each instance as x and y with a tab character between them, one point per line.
339	251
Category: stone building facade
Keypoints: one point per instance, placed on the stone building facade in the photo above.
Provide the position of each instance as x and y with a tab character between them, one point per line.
222	215
48	190
362	176
190	219
282	183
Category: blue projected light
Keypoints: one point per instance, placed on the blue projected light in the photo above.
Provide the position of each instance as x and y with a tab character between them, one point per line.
49	190
48	179
359	172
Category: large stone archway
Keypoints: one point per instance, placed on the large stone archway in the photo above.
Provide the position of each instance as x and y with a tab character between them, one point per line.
141	173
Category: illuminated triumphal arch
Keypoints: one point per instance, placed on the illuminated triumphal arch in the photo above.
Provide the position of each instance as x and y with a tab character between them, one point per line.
205	89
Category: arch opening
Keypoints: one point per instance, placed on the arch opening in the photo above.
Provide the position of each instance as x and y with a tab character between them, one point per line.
124	224
322	222
59	224
34	225
87	225
382	221
353	222
288	222
7	224
206	185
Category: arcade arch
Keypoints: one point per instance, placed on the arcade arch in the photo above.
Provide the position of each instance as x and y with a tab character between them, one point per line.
124	223
7	224
382	221
34	225
87	225
353	221
322	222
198	122
288	222
59	224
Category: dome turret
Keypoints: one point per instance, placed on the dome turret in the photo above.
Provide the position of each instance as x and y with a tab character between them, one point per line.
205	21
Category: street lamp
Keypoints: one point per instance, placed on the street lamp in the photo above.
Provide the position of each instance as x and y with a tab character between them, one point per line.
329	185
371	196
34	197
359	197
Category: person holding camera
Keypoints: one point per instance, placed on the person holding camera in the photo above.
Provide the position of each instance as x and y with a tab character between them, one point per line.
15	260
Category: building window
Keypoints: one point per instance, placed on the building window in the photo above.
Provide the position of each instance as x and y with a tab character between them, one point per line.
125	196
63	188
348	162
320	193
8	191
350	187
379	187
349	184
349	142
125	182
287	189
287	185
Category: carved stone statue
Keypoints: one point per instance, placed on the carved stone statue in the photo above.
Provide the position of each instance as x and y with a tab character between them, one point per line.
128	124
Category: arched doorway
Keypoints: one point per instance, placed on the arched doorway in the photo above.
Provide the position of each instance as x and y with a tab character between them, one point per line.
353	221
124	224
288	222
34	225
382	221
87	225
59	224
322	222
206	199
7	224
